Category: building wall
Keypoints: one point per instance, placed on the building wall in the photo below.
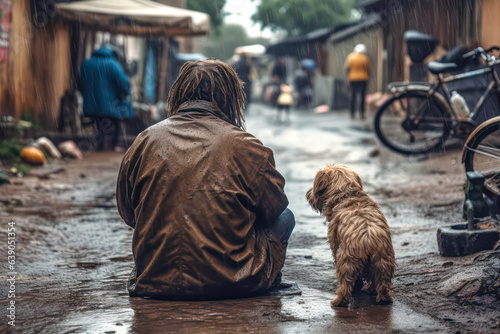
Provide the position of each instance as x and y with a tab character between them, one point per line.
490	24
51	64
339	50
452	22
16	88
38	70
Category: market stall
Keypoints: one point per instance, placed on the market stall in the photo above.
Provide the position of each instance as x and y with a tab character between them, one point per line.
136	17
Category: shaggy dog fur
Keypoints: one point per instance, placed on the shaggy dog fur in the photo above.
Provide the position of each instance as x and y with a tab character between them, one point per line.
357	233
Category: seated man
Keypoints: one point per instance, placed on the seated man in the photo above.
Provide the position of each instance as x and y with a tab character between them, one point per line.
203	196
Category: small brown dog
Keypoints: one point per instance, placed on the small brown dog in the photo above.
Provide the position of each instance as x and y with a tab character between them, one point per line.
357	233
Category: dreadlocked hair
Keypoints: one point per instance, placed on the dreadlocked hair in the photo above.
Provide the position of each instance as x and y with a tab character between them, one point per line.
209	80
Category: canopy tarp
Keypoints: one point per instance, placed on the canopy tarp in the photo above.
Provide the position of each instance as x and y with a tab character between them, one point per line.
136	17
251	50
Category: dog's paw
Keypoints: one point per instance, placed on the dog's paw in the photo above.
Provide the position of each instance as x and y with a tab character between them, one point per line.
369	293
339	302
384	300
369	289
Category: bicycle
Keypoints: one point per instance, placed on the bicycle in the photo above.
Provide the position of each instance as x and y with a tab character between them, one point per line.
419	118
481	153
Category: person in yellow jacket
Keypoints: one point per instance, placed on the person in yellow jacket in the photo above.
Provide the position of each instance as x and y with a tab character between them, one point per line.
285	100
358	72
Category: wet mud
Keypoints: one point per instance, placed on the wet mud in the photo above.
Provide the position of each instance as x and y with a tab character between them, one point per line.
74	251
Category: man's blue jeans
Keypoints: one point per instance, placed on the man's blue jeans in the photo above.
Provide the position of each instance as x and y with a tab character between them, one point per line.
284	225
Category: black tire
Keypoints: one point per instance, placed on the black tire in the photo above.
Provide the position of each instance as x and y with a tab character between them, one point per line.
438	120
486	134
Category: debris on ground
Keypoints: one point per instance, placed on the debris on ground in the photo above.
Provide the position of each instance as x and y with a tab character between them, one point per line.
33	156
70	149
44	173
47	145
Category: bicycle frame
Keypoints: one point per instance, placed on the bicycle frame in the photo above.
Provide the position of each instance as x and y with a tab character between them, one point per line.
492	87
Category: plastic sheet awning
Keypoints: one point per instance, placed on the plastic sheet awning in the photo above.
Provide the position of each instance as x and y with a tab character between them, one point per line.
136	17
251	50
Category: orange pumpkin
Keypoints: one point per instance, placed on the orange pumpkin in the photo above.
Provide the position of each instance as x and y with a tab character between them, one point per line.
33	156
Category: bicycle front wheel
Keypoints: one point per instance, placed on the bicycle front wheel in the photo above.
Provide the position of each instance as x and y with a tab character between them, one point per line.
412	123
482	154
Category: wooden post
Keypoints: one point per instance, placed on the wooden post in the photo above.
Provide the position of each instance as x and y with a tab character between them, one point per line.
92	42
162	78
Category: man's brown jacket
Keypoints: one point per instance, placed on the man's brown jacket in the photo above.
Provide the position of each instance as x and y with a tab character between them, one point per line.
200	194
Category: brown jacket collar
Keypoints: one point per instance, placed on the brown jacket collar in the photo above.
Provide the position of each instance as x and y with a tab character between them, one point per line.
204	106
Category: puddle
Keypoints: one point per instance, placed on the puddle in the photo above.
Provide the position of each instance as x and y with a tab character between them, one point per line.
314	309
309	313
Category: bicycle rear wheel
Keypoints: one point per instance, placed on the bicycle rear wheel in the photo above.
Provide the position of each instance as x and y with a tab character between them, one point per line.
482	154
412	123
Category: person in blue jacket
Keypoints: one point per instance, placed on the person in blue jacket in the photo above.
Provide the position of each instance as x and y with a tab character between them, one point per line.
106	96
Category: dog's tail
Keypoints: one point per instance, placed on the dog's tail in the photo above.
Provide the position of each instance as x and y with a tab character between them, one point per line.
382	265
378	247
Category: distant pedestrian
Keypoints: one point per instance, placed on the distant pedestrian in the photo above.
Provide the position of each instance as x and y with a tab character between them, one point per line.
285	101
244	68
278	74
106	96
279	71
303	86
358	73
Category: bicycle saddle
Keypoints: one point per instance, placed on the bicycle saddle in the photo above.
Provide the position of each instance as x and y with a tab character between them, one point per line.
437	67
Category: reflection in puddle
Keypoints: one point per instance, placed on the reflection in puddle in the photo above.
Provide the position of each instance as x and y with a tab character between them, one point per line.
115	312
310	312
247	315
315	314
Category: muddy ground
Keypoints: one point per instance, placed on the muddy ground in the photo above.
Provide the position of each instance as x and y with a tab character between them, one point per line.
74	255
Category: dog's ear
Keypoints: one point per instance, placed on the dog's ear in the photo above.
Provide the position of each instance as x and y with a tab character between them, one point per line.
309	195
346	179
311	198
314	195
359	181
314	200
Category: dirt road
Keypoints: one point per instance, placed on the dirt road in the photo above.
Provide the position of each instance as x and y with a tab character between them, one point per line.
73	252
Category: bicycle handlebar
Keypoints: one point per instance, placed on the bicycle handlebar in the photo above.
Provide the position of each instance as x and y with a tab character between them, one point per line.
474	53
481	53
